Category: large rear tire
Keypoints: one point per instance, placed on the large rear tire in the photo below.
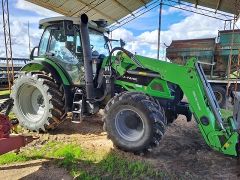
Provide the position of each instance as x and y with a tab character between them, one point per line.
133	122
220	94
38	101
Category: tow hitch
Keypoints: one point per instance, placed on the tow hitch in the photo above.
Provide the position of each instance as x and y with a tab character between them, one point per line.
10	142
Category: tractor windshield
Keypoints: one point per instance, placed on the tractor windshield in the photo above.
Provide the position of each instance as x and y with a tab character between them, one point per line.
98	42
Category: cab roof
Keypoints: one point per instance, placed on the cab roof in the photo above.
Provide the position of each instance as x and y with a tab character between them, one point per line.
43	23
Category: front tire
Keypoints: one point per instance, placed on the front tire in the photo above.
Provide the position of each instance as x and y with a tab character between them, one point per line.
133	122
38	101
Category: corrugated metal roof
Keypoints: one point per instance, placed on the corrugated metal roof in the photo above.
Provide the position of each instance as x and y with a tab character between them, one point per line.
114	10
110	10
229	6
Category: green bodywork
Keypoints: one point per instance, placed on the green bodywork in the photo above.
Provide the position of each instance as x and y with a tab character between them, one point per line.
39	64
187	78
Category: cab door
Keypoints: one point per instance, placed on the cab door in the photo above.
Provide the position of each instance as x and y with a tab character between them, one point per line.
64	50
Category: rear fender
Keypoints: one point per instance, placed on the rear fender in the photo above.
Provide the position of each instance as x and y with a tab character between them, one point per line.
58	74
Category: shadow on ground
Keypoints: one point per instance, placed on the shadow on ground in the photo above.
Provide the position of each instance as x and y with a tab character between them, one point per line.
112	166
90	125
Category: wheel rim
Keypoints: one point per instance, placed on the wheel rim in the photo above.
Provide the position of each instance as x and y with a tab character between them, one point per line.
129	125
218	96
31	102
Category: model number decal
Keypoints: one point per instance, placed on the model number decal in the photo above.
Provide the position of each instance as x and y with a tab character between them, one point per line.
130	78
196	100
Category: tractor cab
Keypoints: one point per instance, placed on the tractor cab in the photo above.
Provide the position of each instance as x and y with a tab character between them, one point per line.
61	43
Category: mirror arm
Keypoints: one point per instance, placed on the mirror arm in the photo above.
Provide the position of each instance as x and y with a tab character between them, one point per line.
32	53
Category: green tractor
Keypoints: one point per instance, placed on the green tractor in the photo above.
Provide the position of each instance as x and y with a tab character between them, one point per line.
77	70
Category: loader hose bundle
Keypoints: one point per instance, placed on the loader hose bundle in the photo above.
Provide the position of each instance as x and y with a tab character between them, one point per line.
129	54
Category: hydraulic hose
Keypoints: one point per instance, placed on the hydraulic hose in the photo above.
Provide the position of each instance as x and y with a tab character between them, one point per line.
109	63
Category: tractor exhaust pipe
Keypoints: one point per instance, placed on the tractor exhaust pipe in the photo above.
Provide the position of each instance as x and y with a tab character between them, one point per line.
87	57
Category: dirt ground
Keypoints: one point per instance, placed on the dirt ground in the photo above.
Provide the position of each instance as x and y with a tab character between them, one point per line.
182	152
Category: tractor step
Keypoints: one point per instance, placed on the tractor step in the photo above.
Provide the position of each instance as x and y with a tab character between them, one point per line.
77	107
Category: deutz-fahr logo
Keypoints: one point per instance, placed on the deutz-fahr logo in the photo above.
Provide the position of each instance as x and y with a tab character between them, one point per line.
130	78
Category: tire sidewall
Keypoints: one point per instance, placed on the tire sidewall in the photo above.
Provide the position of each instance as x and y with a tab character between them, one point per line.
142	112
38	83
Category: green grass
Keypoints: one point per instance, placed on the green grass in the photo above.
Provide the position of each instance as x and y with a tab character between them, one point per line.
87	164
12	158
5	92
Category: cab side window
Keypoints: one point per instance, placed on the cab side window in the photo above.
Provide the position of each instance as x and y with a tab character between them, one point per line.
44	42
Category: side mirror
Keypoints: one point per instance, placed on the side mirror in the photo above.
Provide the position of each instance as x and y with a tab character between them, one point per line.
68	28
32	55
122	43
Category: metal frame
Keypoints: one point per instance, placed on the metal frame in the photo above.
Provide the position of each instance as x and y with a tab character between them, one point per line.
8	42
175	4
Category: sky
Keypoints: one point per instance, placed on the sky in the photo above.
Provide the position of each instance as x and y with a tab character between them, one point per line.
140	35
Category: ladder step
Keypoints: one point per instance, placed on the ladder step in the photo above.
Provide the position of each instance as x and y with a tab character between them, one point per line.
77	112
77	94
77	102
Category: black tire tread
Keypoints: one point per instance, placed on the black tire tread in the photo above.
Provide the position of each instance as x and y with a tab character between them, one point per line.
57	99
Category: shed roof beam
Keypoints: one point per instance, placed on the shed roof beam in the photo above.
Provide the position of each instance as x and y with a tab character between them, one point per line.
143	2
218	5
196	4
99	12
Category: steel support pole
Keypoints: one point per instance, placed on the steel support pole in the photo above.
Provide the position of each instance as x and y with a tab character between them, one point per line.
8	42
159	28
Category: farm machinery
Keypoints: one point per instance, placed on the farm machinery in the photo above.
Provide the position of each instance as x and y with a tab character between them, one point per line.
77	70
8	141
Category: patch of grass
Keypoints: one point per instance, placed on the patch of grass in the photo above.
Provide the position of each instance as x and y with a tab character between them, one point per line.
123	168
13	157
87	164
5	92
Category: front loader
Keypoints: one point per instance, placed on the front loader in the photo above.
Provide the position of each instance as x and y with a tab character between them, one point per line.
77	70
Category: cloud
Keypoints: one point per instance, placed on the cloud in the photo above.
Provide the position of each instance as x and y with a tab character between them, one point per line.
20	39
19	28
122	33
192	27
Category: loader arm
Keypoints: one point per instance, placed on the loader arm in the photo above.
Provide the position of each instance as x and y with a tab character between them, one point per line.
220	134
